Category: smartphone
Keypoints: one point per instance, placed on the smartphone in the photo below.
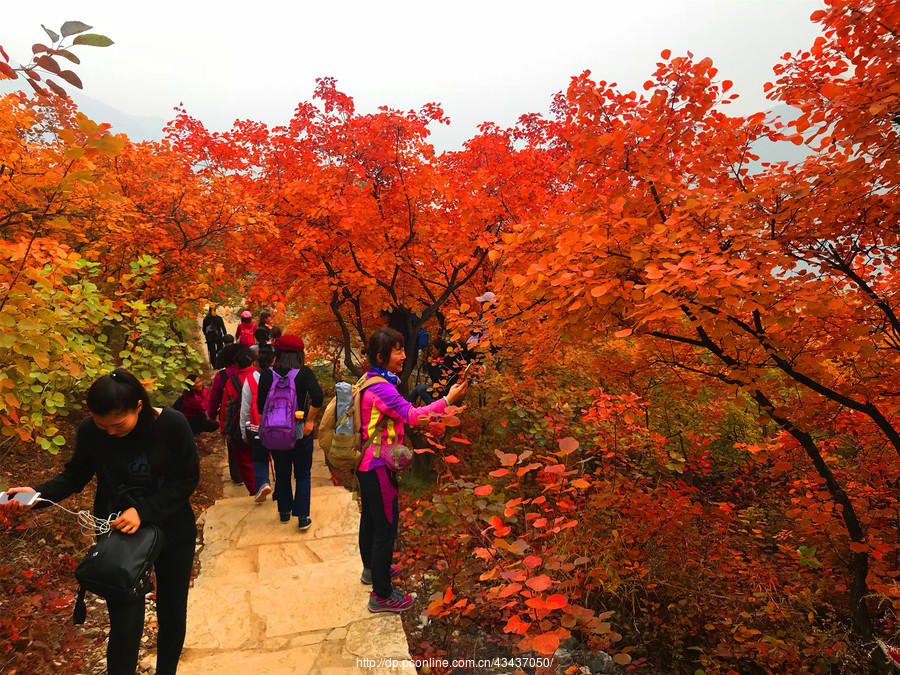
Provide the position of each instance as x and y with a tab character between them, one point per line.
24	498
465	373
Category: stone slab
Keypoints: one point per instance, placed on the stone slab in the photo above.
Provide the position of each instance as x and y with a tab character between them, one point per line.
228	562
296	661
345	546
218	620
380	636
309	598
290	554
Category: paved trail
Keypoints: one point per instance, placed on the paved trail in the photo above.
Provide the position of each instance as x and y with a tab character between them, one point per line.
273	600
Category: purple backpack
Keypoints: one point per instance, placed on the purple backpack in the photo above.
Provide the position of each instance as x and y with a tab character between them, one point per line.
277	424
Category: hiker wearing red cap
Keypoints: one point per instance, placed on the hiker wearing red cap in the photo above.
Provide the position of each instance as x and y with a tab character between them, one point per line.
289	370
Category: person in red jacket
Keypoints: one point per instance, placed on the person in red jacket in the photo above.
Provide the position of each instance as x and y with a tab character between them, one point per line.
244	333
193	404
231	392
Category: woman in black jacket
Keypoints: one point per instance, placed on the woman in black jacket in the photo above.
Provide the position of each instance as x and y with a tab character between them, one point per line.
289	355
147	467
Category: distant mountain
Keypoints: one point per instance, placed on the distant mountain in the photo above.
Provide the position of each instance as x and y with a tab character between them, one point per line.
136	128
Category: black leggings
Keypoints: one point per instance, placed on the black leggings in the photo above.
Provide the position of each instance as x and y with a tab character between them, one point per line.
378	525
126	621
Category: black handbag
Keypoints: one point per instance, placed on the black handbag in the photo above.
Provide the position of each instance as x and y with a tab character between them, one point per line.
117	567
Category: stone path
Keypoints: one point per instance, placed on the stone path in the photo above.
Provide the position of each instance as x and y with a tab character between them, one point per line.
273	600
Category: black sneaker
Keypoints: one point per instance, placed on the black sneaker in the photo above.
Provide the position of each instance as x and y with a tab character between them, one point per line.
304	523
284	517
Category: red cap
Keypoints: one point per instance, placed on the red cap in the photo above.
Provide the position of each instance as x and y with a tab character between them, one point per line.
289	343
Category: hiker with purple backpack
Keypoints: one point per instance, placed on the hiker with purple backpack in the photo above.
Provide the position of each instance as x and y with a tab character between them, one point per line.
287	400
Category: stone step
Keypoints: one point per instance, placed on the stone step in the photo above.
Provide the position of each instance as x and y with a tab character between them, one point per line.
345	649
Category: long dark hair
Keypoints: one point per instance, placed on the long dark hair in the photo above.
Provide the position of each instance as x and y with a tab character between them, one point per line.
381	343
263	317
120	391
289	360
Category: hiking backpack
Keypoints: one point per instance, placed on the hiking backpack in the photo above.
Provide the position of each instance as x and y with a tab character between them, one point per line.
278	428
231	418
245	334
340	428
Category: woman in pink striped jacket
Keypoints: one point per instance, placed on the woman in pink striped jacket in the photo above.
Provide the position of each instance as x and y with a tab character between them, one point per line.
384	411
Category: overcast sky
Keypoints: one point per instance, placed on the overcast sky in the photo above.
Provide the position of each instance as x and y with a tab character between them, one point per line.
482	60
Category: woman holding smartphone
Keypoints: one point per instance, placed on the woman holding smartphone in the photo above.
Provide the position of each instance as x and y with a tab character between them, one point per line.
384	413
147	467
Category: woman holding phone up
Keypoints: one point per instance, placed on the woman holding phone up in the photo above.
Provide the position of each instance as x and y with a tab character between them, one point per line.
384	412
146	466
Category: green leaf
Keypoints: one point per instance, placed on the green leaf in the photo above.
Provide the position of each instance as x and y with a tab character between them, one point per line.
93	40
59	440
73	27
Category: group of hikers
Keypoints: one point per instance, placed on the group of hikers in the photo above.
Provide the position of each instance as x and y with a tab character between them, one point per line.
146	463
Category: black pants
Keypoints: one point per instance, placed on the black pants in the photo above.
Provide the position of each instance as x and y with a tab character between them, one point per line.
378	525
200	423
126	622
214	346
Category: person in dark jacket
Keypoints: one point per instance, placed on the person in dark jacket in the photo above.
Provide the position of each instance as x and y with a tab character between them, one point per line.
214	332
289	355
147	467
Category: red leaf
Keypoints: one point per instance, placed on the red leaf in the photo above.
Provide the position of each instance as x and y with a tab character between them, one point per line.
499	473
8	71
451	459
448	595
539	583
531	561
483	490
59	91
461	440
568	444
556	601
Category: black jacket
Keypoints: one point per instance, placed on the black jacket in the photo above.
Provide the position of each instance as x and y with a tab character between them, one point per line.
154	472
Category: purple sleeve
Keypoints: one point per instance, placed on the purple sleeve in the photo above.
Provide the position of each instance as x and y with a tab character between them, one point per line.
392	399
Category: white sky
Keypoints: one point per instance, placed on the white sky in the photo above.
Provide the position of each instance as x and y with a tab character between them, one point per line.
488	60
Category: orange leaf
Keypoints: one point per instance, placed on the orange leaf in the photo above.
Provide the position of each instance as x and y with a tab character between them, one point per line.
546	643
625	332
461	440
448	595
482	490
858	547
451	459
509	590
556	601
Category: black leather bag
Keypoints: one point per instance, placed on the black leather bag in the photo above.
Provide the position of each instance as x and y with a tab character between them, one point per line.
117	567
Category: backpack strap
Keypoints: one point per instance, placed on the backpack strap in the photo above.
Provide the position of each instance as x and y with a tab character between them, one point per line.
375	438
79	614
